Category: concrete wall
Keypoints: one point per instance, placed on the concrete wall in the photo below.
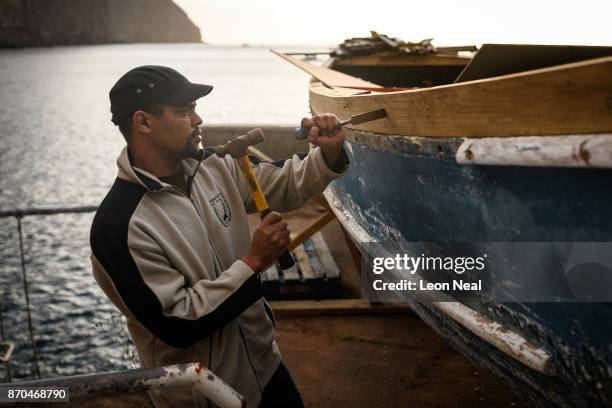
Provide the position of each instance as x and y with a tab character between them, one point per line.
279	141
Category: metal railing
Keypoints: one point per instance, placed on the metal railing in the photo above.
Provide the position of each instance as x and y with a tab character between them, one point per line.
19	214
116	382
122	382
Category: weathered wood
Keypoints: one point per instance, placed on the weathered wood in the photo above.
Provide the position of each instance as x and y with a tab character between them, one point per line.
327	76
457	48
303	263
313	257
567	99
553	151
395	59
328	265
504	339
293	308
391	42
307	279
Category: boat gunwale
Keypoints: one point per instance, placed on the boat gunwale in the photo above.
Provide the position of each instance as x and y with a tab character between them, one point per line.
574	98
577	151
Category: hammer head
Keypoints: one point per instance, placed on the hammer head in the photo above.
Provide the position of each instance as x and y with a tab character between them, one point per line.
237	146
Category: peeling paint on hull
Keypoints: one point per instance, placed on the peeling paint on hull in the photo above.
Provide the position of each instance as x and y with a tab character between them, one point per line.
402	189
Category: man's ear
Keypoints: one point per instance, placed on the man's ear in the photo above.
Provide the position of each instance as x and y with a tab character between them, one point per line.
140	119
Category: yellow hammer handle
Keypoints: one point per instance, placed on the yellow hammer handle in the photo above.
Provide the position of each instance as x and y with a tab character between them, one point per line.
285	261
260	200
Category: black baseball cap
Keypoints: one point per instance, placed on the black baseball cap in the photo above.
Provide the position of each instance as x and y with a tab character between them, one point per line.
143	86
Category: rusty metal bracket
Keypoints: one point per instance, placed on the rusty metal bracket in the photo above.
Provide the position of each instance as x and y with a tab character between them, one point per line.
195	375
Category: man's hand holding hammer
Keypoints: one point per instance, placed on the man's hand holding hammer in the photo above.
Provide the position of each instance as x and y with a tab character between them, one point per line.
271	237
270	240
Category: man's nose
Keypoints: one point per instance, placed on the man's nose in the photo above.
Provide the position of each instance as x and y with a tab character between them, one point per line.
196	120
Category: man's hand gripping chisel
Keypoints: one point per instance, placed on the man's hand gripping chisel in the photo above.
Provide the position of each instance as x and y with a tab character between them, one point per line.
302	132
237	148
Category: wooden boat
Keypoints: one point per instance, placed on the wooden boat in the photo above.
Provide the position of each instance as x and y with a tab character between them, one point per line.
513	145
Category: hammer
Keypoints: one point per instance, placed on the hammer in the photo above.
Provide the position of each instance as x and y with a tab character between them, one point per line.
237	148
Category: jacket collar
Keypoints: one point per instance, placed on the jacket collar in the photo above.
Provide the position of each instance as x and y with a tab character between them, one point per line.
128	172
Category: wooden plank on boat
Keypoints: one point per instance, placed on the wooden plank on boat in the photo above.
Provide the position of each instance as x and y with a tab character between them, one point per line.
393	59
470	48
328	265
552	151
334	306
567	99
504	339
328	77
504	59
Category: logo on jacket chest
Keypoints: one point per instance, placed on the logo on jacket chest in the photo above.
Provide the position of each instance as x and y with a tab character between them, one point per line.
222	209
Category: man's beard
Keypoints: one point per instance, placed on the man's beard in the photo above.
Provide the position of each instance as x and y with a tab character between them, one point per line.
192	150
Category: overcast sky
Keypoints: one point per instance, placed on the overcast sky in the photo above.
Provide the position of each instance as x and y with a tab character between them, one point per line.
448	22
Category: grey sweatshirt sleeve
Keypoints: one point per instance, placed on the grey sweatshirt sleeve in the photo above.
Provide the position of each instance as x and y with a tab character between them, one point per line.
290	184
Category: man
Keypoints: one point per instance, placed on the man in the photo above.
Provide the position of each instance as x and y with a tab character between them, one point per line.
184	273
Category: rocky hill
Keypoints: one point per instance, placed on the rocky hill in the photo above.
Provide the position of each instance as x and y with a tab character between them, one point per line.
26	23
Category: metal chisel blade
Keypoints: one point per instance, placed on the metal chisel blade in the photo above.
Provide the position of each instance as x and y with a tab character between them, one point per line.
366	117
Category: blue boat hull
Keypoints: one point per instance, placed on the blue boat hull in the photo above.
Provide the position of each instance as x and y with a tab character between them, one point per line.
403	190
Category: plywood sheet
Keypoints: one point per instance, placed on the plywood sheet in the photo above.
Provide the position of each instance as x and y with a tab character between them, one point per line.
327	76
502	59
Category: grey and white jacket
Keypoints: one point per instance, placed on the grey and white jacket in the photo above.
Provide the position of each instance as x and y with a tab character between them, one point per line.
170	262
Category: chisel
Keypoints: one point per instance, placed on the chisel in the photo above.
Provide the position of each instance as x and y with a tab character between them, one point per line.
302	132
